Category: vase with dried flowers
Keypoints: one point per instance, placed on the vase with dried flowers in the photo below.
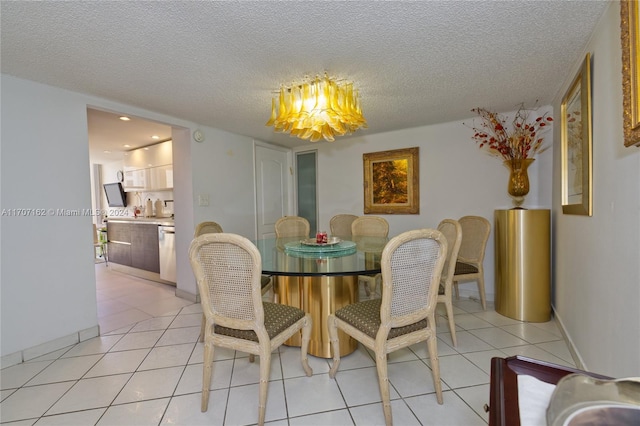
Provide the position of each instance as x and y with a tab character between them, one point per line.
516	144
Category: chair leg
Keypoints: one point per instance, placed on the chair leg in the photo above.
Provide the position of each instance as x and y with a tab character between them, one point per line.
335	344
452	324
265	367
304	347
374	290
455	289
202	327
367	289
383	382
481	291
269	288
206	375
432	346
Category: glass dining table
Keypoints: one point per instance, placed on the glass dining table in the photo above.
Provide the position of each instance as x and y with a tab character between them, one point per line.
319	279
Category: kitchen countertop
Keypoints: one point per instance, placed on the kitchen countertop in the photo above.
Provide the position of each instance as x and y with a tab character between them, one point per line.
163	221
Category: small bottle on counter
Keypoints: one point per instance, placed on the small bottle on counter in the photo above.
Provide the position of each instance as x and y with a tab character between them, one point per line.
148	209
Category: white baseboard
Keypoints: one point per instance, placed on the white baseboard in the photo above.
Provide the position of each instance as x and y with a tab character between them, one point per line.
472	293
577	359
195	298
140	273
50	346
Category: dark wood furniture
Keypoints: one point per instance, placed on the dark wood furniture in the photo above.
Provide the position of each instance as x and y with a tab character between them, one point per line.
503	400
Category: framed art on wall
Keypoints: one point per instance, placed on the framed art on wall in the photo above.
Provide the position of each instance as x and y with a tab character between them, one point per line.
630	37
576	149
391	182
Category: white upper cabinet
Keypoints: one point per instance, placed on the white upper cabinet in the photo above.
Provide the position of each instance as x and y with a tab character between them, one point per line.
161	177
160	154
149	168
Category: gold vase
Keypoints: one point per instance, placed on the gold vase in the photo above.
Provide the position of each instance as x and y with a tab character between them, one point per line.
518	178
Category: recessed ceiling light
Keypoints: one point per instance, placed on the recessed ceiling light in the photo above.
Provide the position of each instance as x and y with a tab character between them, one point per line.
155	137
124	118
127	145
107	152
146	148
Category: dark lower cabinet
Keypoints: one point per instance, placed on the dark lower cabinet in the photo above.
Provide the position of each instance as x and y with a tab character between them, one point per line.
145	253
120	253
134	244
119	243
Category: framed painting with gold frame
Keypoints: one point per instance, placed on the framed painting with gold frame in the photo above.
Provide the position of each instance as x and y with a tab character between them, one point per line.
391	182
630	39
576	144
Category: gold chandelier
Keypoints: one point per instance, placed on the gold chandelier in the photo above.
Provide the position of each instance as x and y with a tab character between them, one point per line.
322	108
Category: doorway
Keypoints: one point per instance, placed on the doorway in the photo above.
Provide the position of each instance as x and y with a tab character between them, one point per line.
110	139
306	184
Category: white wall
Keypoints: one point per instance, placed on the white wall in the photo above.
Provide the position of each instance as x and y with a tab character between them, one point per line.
456	179
597	273
48	279
220	168
223	171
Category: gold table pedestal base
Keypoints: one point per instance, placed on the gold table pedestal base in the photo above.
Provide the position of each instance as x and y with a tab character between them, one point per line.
319	296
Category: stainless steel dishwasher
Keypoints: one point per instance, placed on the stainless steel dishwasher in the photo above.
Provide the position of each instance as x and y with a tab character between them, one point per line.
167	242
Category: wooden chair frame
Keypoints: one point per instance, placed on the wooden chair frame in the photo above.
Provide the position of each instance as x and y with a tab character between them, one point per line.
266	281
292	226
475	234
413	301
371	226
452	231
340	224
231	297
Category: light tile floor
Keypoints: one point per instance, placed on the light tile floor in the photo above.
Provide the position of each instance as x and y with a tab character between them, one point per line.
146	369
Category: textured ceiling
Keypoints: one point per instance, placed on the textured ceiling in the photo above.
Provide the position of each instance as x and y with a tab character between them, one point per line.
219	63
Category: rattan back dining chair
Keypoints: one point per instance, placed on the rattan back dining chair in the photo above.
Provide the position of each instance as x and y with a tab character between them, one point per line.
469	267
207	228
412	266
452	231
227	268
370	226
292	226
340	224
266	281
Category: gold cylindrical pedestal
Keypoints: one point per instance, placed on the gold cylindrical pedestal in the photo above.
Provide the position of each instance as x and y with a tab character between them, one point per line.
319	296
522	261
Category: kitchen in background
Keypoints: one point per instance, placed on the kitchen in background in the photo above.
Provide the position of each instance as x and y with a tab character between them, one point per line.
132	191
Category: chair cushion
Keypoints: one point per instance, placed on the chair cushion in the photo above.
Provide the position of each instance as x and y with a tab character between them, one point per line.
277	318
365	316
465	268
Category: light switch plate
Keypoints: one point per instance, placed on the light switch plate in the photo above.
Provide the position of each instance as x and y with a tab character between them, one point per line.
203	199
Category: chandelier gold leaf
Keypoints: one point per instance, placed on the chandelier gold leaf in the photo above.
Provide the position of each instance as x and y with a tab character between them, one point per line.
321	108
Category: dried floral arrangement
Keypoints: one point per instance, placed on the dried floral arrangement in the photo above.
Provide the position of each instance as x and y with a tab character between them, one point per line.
518	141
